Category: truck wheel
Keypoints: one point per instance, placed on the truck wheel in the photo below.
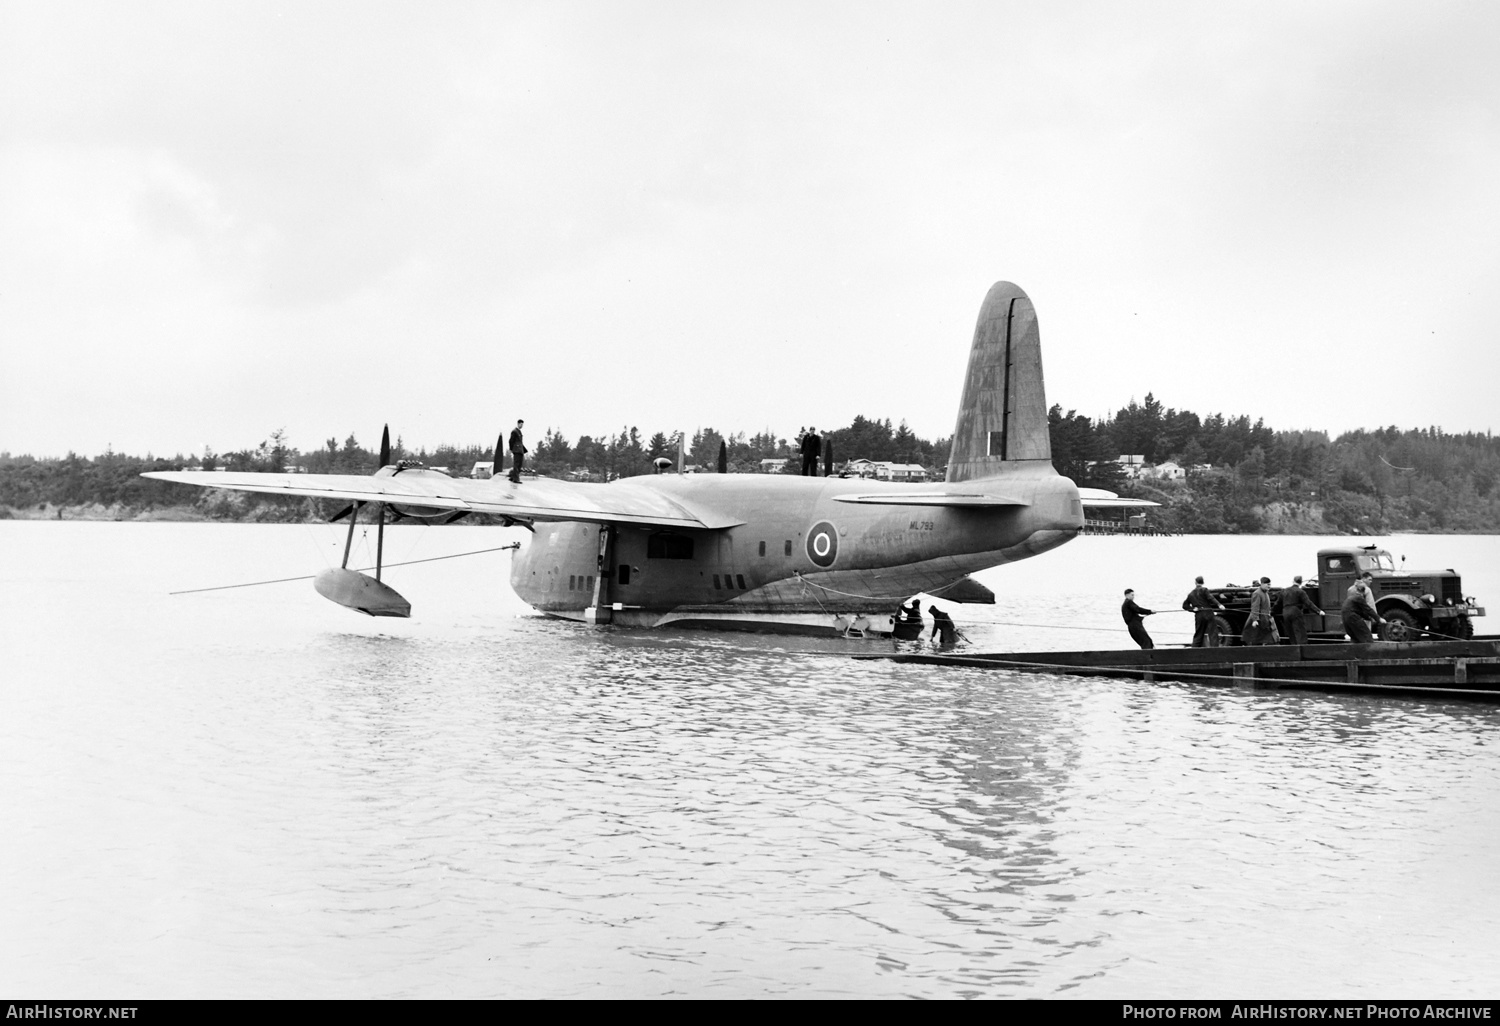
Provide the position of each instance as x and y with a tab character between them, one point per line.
1227	634
1400	626
1464	629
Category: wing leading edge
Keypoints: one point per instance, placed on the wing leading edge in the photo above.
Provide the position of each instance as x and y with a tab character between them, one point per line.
540	499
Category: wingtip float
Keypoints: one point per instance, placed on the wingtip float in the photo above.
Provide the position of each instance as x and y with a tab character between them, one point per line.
353	590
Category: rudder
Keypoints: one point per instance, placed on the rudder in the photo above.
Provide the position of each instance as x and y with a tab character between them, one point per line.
1002	419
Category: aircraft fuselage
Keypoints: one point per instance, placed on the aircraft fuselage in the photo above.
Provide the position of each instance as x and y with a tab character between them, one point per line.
800	559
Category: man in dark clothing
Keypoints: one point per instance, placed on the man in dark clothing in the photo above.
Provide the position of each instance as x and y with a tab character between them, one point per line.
1357	613
1132	614
943	628
518	452
907	623
1201	603
1260	629
812	447
1296	604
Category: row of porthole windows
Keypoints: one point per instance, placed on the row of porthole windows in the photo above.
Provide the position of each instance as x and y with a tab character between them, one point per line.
669	546
578	582
673	546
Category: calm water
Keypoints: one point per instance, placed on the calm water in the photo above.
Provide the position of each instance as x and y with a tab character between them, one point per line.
257	793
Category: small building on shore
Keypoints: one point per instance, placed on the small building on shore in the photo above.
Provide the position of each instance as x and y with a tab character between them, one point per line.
885	470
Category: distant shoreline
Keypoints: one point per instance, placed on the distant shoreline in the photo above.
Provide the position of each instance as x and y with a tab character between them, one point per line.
98	512
239	511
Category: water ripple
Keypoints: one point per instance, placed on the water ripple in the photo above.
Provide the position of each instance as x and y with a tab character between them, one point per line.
290	802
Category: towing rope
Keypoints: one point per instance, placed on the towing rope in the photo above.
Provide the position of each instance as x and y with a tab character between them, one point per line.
967	620
805	582
308	577
850	594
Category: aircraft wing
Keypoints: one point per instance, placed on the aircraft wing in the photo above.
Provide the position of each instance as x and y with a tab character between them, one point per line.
1098	498
971	499
537	499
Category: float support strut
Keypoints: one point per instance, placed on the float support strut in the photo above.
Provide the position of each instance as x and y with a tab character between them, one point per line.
379	538
349	541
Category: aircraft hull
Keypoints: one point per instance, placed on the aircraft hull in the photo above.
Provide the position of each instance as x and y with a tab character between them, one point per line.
803	561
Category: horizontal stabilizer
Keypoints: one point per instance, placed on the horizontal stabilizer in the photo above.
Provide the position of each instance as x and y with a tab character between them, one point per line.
1098	498
971	499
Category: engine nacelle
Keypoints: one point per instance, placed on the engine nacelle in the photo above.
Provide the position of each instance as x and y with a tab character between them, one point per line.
408	468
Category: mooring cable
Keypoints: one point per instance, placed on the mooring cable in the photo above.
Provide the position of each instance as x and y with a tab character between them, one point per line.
1000	623
308	577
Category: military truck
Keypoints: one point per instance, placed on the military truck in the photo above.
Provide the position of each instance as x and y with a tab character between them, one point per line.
1428	604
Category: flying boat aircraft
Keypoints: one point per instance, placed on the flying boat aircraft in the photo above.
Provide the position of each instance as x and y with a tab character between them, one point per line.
755	551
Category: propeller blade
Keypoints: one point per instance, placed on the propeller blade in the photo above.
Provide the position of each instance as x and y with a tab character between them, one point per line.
385	446
499	455
341	514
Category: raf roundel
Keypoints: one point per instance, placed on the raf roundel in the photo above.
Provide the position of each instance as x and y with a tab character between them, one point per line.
823	543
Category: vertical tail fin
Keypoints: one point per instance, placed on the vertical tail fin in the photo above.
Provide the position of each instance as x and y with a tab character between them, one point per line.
1002	420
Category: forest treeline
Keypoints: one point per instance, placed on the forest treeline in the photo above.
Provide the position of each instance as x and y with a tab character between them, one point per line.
1244	477
1241	476
112	481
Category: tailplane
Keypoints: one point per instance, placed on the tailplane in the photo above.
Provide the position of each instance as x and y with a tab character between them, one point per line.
1002	420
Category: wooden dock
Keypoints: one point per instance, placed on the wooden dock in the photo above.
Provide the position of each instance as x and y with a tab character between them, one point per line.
1467	669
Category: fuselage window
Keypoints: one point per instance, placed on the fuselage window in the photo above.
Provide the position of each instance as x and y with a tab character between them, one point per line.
571	579
740	580
664	545
716	582
624	573
762	548
589	585
788	546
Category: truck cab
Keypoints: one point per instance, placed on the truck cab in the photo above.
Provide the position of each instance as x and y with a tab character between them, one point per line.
1414	604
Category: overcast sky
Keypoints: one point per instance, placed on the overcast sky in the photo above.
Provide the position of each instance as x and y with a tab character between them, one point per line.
221	219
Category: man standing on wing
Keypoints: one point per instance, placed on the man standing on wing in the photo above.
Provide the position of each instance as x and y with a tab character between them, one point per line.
518	452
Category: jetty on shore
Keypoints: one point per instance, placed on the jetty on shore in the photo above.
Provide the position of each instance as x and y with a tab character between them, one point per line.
1467	669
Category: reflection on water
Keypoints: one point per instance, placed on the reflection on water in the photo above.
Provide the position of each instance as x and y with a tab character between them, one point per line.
265	795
